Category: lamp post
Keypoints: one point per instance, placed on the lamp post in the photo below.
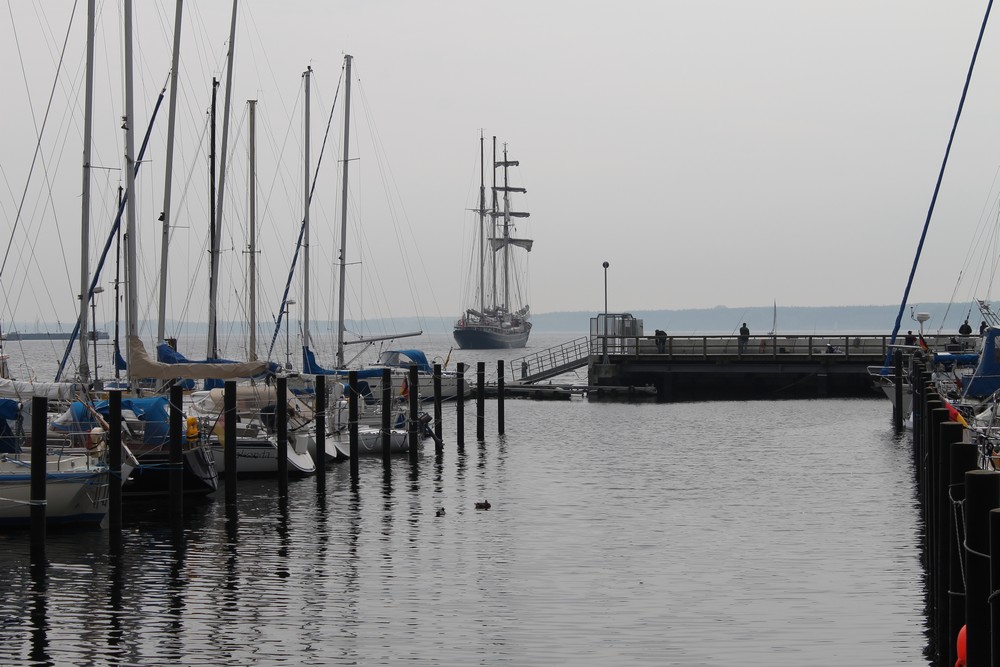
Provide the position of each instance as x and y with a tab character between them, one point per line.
288	350
606	265
93	323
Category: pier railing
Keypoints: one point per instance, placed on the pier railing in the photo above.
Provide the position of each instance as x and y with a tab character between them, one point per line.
772	346
550	362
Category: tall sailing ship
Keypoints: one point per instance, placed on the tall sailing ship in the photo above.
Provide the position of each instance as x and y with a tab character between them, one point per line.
499	315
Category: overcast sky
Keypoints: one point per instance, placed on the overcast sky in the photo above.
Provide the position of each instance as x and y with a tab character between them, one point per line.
714	153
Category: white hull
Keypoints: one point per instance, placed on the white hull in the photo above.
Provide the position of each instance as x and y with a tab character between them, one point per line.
76	490
338	444
259	456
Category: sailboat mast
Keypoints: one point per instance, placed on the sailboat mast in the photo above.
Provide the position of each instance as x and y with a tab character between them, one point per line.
253	229
213	264
168	175
307	76
493	226
213	339
343	213
118	282
131	271
88	115
482	222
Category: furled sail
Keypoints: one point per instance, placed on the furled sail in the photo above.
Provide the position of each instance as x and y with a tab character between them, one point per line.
520	243
54	391
144	367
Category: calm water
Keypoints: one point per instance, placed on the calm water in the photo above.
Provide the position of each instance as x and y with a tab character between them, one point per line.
675	534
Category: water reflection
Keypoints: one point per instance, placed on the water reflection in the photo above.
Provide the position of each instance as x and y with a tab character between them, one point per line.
601	547
39	612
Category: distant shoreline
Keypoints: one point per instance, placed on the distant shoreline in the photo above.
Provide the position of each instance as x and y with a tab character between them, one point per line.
46	335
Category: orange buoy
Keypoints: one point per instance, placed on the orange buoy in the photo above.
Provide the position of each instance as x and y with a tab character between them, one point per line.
960	648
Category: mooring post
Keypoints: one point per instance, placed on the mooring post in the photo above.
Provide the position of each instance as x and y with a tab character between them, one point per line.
414	388
460	408
115	474
949	432
500	379
176	469
438	428
933	528
963	457
320	411
229	439
982	494
480	400
39	468
930	423
281	410
897	386
352	421
994	597
386	415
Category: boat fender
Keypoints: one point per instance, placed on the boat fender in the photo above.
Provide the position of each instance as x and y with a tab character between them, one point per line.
192	429
95	441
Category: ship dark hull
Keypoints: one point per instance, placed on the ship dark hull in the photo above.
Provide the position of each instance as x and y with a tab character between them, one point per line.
152	477
473	338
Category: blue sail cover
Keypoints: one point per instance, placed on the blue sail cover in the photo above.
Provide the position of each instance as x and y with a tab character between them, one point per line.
310	367
155	412
986	379
407	358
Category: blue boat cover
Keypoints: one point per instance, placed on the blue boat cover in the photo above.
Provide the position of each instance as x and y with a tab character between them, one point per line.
155	411
393	358
310	367
986	379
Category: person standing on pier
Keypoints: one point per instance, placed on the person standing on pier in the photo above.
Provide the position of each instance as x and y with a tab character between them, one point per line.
744	338
965	329
661	341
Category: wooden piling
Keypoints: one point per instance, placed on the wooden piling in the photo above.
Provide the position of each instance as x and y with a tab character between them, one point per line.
437	407
480	400
897	385
39	469
281	420
229	439
176	456
994	598
352	421
386	415
500	379
982	494
320	411
115	474
460	408
963	457
949	432
414	389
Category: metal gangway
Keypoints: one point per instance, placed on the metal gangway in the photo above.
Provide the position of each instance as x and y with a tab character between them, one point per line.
549	363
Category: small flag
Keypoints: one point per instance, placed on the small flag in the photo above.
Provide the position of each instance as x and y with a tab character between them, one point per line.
923	344
955	415
405	389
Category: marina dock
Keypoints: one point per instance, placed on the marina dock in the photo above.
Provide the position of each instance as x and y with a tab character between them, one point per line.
709	367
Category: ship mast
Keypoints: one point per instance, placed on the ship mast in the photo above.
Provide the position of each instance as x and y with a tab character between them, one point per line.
482	223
